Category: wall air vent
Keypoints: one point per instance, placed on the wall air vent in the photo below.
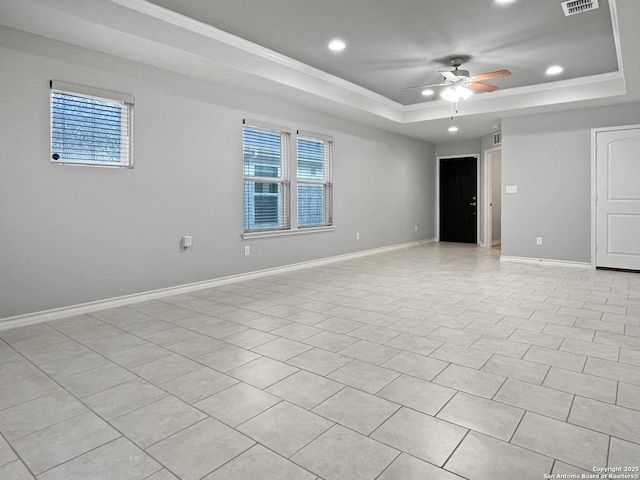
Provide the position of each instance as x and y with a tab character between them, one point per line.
573	7
497	138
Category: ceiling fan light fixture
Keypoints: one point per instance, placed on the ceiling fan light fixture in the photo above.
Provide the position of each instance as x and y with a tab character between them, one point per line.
456	93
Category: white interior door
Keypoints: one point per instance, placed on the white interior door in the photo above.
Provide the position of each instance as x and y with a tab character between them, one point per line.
618	199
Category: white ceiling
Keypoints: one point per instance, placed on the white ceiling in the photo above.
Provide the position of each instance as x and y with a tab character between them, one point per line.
279	47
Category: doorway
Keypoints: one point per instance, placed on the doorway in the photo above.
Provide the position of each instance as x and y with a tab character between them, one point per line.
617	198
458	199
492	198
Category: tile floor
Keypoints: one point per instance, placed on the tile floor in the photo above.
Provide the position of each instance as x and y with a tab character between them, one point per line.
433	362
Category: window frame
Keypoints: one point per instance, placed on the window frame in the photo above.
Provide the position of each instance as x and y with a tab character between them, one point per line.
326	182
126	103
292	183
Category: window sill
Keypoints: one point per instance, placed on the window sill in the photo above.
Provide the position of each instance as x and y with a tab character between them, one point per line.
285	233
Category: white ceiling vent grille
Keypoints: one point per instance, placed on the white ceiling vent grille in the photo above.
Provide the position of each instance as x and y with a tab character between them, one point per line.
573	7
497	138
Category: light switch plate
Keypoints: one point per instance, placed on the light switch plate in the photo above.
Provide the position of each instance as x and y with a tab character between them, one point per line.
512	189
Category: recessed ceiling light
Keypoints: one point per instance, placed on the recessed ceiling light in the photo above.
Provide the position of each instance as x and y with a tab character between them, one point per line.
453	128
426	92
554	70
504	2
337	45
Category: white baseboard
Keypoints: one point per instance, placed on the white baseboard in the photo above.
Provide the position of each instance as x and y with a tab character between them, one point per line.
545	261
89	307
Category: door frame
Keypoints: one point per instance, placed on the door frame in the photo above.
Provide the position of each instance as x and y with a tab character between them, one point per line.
487	212
594	182
478	185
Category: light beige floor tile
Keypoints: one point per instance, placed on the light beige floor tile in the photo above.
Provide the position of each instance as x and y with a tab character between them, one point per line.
480	457
599	350
262	372
342	454
200	449
237	404
111	343
195	346
516	368
282	349
6	453
611	327
285	428
364	376
568	443
150	326
156	421
15	471
539	339
613	370
338	325
264	322
629	396
334	342
495	331
415	343
630	356
37	414
618	340
63	441
319	361
482	415
67	366
556	358
503	347
470	380
416	365
166	368
606	418
534	398
418	394
227	358
451	335
357	410
584	334
123	398
581	384
461	355
420	435
561	468
258	462
92	381
163	474
199	384
27	389
117	459
305	389
249	338
406	467
40	353
139	355
624	454
375	334
369	352
526	324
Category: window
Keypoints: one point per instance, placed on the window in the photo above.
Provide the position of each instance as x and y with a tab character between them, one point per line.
90	126
314	180
266	178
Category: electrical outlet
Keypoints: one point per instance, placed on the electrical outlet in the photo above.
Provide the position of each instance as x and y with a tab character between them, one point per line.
357	235
538	240
415	228
247	251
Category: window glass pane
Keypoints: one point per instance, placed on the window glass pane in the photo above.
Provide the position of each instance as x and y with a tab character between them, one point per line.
262	205
311	204
87	130
262	151
310	159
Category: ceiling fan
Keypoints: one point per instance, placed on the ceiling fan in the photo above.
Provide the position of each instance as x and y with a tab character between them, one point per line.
460	85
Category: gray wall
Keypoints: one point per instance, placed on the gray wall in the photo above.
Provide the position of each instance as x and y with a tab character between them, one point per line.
548	157
73	234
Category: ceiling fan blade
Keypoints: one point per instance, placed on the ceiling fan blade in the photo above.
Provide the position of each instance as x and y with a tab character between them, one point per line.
426	86
481	87
449	75
486	76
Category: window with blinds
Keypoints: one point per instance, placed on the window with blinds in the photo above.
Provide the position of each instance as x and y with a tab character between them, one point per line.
266	178
91	126
314	188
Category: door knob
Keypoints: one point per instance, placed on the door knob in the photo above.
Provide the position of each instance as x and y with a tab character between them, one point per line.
473	204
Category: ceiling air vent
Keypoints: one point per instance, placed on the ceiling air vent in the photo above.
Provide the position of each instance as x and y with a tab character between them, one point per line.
578	6
497	138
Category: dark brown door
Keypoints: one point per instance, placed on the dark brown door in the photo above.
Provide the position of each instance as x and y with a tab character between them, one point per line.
458	199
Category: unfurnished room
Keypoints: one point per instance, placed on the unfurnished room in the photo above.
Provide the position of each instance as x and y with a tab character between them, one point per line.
336	240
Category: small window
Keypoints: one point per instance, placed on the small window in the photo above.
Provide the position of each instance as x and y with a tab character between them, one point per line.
314	180
91	126
266	178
